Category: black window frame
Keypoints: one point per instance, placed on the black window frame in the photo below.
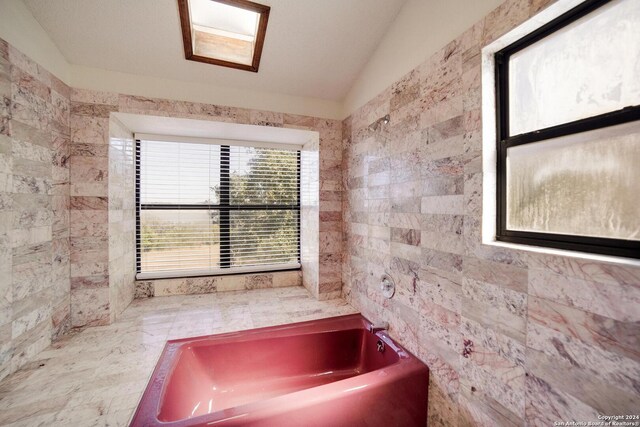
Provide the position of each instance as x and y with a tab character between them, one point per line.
598	245
225	208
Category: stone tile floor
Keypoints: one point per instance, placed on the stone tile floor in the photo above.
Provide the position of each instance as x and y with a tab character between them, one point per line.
95	376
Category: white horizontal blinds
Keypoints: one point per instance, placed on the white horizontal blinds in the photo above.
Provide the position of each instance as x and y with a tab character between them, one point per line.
179	240
262	237
268	180
172	235
179	173
207	208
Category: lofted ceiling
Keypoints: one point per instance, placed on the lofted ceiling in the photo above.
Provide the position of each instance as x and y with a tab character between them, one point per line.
313	48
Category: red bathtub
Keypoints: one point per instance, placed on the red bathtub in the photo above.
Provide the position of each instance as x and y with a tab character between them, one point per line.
327	372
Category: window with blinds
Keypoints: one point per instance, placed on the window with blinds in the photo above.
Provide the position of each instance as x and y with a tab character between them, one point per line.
206	208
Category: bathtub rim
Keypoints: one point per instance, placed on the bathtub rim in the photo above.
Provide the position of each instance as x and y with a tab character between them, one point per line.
148	409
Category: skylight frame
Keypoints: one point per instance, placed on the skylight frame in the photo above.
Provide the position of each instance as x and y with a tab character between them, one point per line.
187	26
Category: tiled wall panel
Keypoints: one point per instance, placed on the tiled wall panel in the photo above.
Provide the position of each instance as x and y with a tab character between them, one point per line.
66	207
205	285
122	217
310	216
97	196
90	288
551	338
34	209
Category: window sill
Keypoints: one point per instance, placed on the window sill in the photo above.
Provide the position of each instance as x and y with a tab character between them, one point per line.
218	272
489	138
565	253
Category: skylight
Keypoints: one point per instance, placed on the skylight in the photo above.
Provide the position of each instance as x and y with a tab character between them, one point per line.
229	33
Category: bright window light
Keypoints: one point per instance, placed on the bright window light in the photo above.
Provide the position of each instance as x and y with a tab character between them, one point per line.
230	19
224	32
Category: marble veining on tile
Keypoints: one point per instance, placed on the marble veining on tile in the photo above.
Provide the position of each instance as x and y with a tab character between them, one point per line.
67	207
34	209
511	338
95	376
101	171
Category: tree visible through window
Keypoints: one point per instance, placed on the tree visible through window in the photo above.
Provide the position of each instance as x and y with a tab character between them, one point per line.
568	98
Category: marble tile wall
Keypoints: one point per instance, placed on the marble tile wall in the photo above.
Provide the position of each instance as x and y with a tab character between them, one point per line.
122	217
66	228
89	164
548	338
211	284
96	376
90	129
330	209
34	209
310	216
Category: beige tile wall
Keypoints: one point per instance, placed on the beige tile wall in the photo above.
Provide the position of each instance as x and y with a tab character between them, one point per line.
93	201
551	338
90	293
34	209
66	206
210	284
122	217
310	216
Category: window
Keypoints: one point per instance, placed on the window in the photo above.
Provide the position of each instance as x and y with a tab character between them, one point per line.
206	208
229	33
568	130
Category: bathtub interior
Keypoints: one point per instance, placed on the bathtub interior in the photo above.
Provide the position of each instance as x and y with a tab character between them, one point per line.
209	377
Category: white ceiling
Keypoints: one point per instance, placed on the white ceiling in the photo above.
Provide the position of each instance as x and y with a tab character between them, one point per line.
313	48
